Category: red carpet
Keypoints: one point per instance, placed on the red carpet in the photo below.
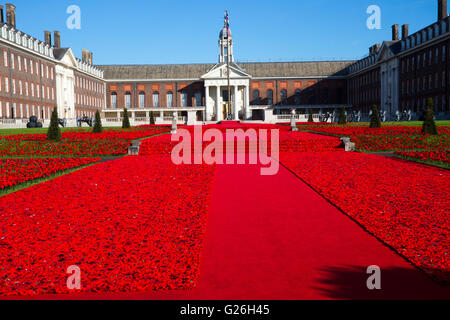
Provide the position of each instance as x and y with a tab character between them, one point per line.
272	237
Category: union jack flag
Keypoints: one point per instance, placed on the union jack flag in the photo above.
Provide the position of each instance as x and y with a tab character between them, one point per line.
227	20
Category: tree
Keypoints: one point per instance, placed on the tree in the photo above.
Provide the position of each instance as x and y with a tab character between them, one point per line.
429	126
54	132
342	116
375	118
310	117
98	128
152	118
126	120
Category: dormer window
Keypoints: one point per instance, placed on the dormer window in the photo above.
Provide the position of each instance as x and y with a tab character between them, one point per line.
11	36
436	30
430	33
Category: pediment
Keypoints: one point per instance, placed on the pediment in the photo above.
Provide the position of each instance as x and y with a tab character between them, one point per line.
385	53
69	59
220	72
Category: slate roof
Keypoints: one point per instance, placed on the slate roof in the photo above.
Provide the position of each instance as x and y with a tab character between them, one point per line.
195	71
59	53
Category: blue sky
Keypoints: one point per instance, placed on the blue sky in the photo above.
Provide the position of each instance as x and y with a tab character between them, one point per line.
165	32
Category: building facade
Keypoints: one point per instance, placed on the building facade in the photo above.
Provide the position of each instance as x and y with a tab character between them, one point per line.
199	92
402	74
397	75
37	76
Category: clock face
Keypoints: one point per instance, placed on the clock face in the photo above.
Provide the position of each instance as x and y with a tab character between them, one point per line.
225	72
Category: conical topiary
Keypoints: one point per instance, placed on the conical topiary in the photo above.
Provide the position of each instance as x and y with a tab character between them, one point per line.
54	132
126	120
98	128
342	116
152	118
375	118
310	117
429	126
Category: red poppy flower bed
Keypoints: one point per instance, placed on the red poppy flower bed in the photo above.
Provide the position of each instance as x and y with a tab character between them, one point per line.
16	171
147	236
440	156
288	142
404	204
76	143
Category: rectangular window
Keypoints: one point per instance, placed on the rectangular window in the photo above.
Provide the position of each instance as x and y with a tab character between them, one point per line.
12	61
5	58
6	84
20	87
31	66
25	66
19	62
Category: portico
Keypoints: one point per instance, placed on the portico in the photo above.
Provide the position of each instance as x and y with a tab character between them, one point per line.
216	99
224	76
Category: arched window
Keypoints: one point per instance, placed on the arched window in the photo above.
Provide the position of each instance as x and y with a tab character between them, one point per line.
297	97
255	97
169	99
198	99
284	97
184	99
113	100
141	99
156	99
128	100
270	97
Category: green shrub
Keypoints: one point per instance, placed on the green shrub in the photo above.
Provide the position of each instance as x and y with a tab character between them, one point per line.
126	119
429	126
342	116
152	118
310	117
54	132
98	128
375	118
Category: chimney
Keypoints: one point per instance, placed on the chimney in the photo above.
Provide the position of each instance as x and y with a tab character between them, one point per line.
11	15
91	58
85	55
405	31
48	37
442	9
2	15
57	39
395	32
377	47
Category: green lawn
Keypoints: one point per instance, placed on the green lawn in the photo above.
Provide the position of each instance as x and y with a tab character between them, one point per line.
6	132
445	123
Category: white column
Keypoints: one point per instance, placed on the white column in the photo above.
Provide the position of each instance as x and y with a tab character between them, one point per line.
207	115
219	107
247	114
236	111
